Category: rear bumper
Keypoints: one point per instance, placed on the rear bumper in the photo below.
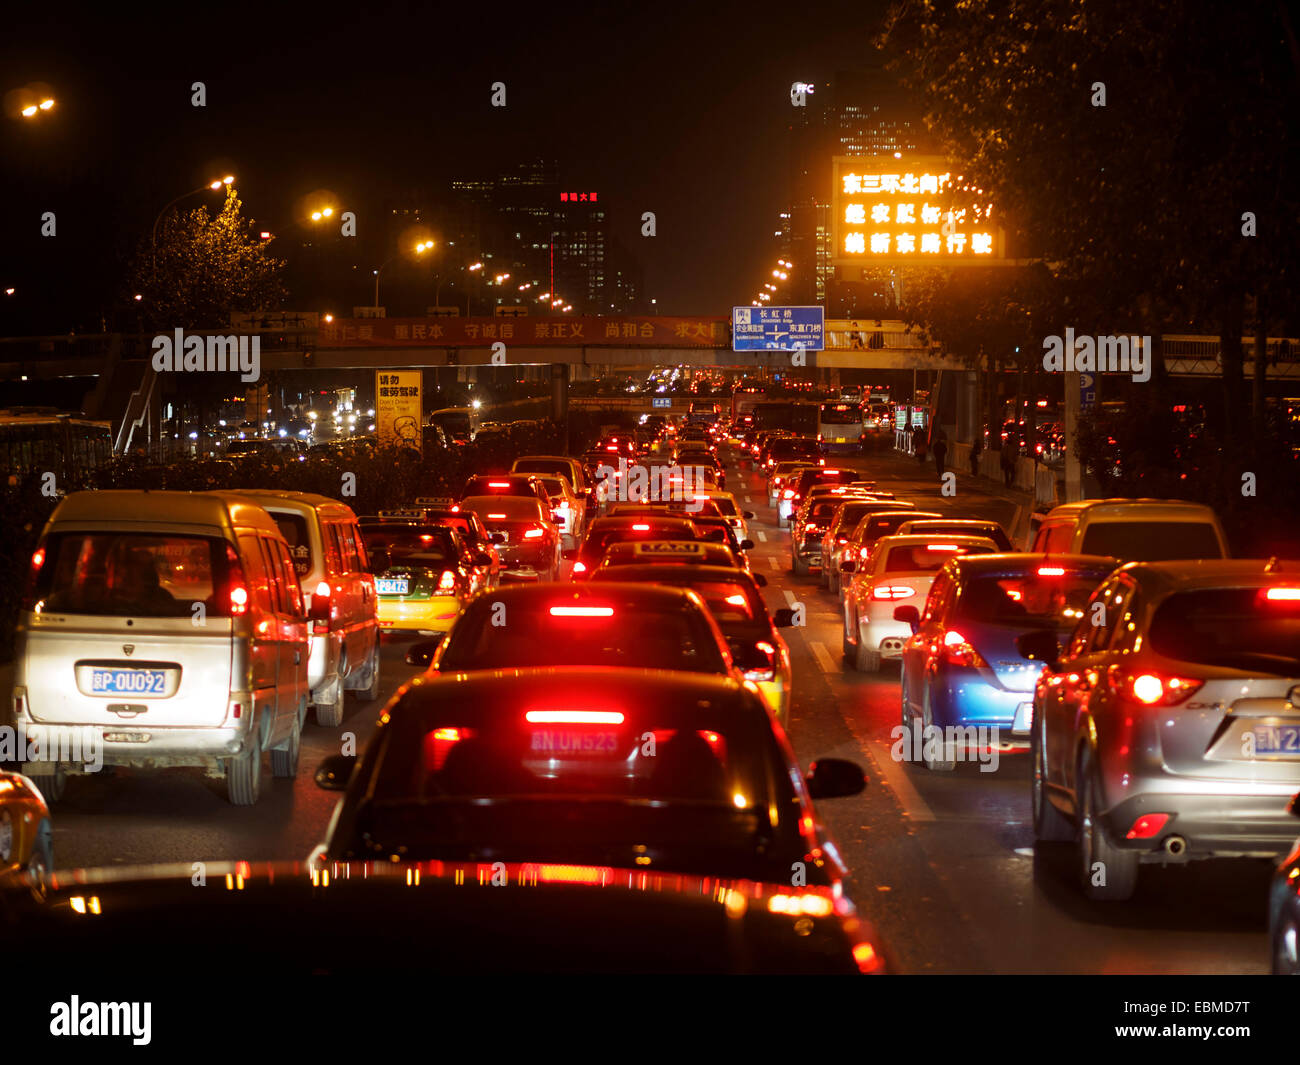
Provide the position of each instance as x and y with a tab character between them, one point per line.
422	615
885	636
1222	826
968	697
85	748
323	659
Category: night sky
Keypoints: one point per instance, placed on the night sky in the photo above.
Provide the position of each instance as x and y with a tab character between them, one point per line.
678	110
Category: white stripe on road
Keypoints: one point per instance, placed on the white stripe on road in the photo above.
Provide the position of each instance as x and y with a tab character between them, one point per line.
762	536
823	656
776	564
789	595
914	807
748	500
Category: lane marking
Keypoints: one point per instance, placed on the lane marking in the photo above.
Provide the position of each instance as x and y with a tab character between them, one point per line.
762	536
823	656
914	807
776	564
789	595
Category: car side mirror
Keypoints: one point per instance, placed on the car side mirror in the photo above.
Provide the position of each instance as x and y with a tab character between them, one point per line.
848	566
909	614
760	580
748	515
835	778
783	618
747	545
498	538
334	772
1040	646
556	516
482	558
421	653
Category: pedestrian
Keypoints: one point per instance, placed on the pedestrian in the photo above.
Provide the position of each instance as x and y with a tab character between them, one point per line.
976	449
940	451
918	443
1008	462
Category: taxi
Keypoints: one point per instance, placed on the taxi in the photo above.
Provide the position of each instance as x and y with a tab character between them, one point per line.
424	574
26	833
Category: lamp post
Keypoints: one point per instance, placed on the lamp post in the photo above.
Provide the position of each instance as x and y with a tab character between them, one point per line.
213	185
420	249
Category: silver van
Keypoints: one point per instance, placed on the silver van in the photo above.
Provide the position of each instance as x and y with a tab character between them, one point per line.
162	629
1132	530
339	590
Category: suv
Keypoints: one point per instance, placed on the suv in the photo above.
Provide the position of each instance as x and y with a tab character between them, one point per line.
1132	530
339	590
1169	727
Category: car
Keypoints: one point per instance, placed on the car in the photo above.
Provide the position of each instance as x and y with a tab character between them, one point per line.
698	460
806	531
702	507
676	552
1168	730
724	504
172	626
425	574
719	530
557	465
609	530
779	474
919	525
26	831
793	448
874	527
656	770
525	532
1132	530
901	568
1284	908
448	513
961	672
533	917
848	533
734	599
795	490
506	484
338	589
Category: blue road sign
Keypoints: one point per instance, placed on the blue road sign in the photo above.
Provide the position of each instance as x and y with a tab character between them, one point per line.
778	328
664	403
1087	390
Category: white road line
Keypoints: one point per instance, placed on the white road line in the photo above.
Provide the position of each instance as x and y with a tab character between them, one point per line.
762	536
823	656
776	564
748	499
914	807
789	595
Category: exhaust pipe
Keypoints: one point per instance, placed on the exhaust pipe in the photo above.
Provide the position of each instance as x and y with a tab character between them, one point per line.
1175	846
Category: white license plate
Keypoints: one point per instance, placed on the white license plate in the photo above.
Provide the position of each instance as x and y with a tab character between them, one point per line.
392	585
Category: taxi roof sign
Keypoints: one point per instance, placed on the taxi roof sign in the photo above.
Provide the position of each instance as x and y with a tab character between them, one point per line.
668	547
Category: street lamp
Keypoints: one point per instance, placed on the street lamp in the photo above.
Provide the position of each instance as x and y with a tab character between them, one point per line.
229	179
32	110
419	249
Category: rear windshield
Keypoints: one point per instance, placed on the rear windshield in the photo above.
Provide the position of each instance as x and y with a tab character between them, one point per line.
1234	628
725	505
133	574
293	527
881	525
795	447
847	415
634	634
920	559
551	466
599	539
1031	597
431	542
503	508
1151	541
993	532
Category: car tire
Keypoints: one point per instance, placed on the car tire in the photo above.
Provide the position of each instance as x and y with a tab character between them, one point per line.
1050	825
833	579
52	784
905	718
797	566
866	660
1286	947
1120	867
244	774
370	692
284	759
936	765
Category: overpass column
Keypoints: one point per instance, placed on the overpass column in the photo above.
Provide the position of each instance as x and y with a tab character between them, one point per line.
560	398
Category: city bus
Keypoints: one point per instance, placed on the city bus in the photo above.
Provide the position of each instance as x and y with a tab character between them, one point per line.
460	424
841	427
43	441
743	401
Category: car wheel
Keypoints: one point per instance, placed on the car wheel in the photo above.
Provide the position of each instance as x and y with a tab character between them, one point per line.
798	566
1050	825
834	580
867	659
909	754
371	691
244	774
1106	873
1286	948
284	759
935	765
52	783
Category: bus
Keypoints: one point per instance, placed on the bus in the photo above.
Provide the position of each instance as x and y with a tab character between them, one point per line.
460	424
841	427
743	401
40	440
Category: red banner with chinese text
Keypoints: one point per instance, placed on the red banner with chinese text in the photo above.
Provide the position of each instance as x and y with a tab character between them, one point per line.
621	331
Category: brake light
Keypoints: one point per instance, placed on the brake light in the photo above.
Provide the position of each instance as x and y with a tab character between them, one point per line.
426	538
957	651
534	534
38	560
1151	689
574	717
788	494
736	600
1275	594
582	611
841	539
821	462
498	484
1146	826
1051	571
942	547
640	528
447	582
893	591
238	600
579	567
497	517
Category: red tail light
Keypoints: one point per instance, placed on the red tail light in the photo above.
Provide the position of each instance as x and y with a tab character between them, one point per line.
498	484
1146	826
574	717
1274	594
958	652
582	611
788	494
579	567
447	582
38	560
238	590
892	591
1051	571
534	534
1154	689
